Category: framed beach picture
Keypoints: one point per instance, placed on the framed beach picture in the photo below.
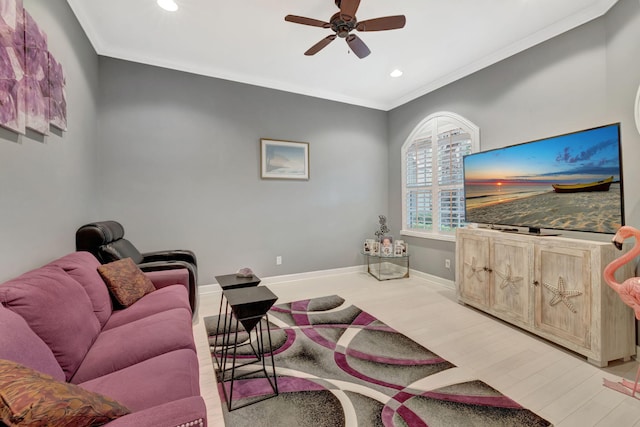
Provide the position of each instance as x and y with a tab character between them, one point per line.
284	159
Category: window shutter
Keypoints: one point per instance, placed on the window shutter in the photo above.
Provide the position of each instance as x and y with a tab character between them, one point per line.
419	209
419	158
419	182
452	146
433	178
451	209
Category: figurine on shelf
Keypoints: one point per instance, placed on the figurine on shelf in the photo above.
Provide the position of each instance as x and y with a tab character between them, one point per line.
244	272
629	292
383	227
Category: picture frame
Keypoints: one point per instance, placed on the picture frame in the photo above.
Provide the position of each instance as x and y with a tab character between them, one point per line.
375	248
288	160
399	248
386	250
368	246
386	246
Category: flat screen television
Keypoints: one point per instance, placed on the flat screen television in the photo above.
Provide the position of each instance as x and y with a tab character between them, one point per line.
565	182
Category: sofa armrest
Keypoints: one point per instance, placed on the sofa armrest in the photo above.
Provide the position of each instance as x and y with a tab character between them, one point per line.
170	265
163	278
174	265
171	255
190	411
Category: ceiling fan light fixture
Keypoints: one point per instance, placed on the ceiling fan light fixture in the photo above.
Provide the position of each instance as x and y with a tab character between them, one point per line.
168	5
396	73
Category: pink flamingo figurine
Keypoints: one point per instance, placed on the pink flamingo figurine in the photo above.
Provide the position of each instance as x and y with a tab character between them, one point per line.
629	292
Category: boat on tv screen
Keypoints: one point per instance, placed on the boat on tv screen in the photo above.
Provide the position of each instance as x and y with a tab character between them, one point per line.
567	182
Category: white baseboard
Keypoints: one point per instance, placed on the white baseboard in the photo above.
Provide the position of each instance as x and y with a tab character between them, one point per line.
434	279
215	288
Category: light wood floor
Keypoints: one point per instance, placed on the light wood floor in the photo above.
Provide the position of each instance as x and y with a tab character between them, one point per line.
557	385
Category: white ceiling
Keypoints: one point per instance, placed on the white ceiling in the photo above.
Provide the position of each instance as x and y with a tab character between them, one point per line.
249	41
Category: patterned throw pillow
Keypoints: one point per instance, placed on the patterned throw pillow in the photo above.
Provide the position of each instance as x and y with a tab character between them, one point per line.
30	398
126	281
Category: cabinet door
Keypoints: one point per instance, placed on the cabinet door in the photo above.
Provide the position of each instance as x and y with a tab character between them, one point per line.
510	279
474	280
563	293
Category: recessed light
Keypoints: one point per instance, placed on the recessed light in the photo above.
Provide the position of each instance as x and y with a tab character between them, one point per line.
169	5
396	73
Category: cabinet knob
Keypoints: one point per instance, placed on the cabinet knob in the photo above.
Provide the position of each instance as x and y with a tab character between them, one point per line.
536	283
488	269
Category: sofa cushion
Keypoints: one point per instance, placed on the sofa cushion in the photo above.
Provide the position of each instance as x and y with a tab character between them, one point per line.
57	309
82	267
29	398
164	299
20	344
135	342
175	374
126	281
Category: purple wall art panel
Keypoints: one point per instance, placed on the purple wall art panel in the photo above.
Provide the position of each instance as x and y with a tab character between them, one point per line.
12	66
37	88
57	100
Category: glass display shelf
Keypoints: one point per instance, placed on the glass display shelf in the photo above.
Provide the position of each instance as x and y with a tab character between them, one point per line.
387	267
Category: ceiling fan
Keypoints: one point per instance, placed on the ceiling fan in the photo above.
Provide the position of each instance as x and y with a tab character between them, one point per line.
344	22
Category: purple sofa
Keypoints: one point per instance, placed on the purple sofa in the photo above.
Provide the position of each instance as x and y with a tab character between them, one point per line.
59	320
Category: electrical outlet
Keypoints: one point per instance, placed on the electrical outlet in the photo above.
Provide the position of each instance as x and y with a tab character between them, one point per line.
278	260
447	263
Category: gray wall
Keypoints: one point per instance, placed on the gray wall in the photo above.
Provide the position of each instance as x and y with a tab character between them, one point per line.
179	168
175	156
45	182
581	79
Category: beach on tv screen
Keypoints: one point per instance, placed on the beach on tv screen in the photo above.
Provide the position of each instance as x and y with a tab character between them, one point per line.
566	182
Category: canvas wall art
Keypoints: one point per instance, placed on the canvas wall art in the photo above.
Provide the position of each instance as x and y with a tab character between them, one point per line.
284	159
32	82
57	98
12	66
37	61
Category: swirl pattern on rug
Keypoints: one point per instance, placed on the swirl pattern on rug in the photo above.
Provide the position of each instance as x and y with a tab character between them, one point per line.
337	365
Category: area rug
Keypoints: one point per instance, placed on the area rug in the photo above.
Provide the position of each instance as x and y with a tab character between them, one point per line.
337	365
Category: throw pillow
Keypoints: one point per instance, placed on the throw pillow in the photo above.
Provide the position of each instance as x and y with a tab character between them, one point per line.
126	281
30	398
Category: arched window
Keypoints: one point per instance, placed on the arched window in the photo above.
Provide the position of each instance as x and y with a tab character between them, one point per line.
432	180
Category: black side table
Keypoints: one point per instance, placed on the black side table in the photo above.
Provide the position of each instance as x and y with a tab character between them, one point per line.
249	307
227	282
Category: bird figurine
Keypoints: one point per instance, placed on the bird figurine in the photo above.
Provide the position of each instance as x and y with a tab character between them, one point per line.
629	292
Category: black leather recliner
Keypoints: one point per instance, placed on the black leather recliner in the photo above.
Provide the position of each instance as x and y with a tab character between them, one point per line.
105	240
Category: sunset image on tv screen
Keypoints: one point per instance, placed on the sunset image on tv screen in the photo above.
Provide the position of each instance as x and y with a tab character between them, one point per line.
568	182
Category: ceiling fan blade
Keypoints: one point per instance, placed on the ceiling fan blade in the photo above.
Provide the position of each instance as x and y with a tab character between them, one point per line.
320	45
357	46
381	24
307	21
348	9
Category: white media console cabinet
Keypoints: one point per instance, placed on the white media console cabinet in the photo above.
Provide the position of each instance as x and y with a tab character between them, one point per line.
550	286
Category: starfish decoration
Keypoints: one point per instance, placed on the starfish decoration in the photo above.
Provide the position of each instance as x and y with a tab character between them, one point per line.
562	294
508	279
474	270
